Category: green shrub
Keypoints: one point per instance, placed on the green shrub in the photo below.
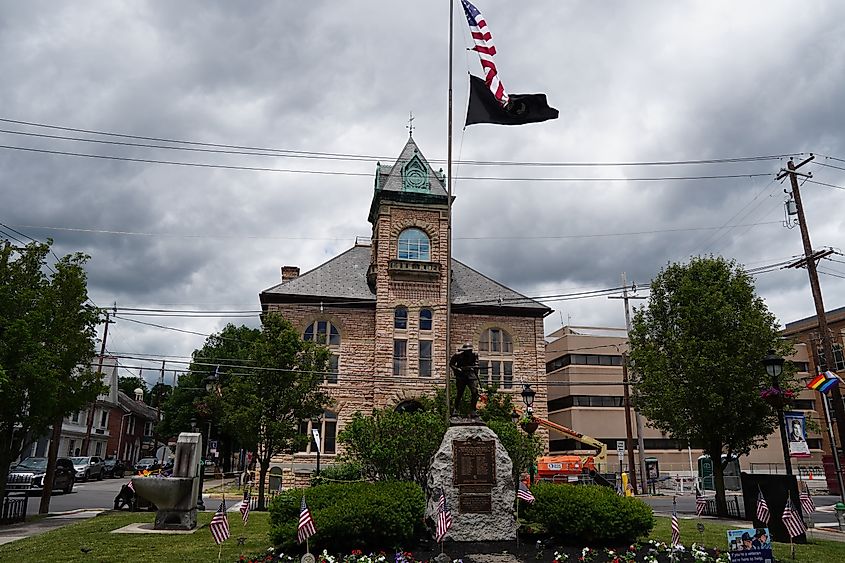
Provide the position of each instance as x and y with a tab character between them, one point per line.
589	513
366	516
348	471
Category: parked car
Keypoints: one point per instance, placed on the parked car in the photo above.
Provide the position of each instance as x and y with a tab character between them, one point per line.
28	475
114	468
89	467
147	464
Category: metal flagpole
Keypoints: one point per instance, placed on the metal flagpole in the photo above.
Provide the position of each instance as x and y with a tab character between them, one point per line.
449	218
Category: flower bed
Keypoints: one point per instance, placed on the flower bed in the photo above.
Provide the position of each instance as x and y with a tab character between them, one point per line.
651	551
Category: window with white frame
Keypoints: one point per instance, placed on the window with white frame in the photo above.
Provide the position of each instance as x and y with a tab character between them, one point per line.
414	244
495	358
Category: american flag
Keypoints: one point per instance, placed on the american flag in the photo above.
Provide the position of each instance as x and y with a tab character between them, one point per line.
700	504
444	518
523	493
244	508
792	520
306	527
485	48
130	486
220	525
762	508
807	504
676	529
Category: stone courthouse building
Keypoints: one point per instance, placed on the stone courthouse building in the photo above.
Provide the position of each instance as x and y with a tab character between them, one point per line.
381	310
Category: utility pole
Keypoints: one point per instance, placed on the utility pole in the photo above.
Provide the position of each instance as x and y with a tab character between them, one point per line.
625	385
158	409
809	261
86	444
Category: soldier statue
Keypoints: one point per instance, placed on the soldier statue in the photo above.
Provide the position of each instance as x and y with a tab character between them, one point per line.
464	364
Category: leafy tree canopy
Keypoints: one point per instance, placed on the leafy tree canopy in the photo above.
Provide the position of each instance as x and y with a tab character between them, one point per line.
47	338
697	349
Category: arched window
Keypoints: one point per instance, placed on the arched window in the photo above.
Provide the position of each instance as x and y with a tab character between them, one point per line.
325	333
414	244
495	358
400	318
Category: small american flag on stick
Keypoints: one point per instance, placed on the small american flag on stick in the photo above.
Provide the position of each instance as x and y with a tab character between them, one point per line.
792	520
700	504
676	529
220	525
444	518
524	493
244	508
807	504
306	527
762	508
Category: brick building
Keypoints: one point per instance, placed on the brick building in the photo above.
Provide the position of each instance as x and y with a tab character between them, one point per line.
130	426
584	371
381	309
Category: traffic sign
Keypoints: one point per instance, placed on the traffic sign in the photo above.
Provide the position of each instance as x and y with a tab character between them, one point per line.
620	448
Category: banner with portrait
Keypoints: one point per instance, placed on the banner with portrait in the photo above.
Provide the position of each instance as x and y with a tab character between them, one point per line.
796	433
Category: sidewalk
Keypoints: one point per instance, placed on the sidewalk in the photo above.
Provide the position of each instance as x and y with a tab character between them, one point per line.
39	525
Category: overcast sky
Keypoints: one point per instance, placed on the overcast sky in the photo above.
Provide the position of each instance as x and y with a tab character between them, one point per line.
634	82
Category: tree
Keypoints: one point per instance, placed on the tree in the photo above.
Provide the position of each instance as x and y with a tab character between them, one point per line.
697	349
47	338
190	400
523	448
262	403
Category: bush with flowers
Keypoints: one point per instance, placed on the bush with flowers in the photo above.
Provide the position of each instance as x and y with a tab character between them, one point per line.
368	516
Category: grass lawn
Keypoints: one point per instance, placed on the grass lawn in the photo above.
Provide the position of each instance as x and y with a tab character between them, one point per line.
715	535
67	544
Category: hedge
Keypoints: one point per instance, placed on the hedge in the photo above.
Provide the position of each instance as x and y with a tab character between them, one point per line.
365	516
588	513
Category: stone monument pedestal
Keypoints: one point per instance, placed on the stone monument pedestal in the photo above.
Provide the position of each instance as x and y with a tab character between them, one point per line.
474	471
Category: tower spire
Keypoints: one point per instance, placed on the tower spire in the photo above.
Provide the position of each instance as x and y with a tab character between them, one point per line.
410	126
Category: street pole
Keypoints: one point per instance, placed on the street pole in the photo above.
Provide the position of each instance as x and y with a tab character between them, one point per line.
629	439
86	444
449	219
639	419
810	262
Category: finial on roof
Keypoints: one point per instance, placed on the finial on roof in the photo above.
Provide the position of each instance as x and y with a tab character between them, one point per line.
410	126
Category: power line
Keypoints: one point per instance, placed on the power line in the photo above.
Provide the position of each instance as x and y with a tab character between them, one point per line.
347	156
351	237
367	174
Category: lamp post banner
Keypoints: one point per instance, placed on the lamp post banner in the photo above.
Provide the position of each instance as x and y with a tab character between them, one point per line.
796	431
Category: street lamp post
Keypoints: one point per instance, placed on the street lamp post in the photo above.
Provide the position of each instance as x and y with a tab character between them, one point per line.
200	503
531	426
316	424
774	367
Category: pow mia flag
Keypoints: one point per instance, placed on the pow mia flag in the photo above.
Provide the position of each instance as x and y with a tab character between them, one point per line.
520	108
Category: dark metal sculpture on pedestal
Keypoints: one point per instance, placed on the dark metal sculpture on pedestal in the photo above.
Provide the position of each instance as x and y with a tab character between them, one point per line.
464	364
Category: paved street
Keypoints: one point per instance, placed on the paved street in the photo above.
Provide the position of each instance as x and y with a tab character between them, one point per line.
93	494
686	505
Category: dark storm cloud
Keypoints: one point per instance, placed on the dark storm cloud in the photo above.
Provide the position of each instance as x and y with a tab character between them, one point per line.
660	81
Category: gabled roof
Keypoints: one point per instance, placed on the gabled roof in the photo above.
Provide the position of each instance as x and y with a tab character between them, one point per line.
390	184
344	279
142	410
390	178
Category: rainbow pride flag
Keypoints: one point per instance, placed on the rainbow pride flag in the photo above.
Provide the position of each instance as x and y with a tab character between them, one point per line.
824	382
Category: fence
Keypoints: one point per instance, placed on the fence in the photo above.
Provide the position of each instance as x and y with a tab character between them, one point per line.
736	507
13	509
253	498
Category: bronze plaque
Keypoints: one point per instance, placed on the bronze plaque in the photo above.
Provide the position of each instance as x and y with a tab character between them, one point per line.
473	462
477	504
476	489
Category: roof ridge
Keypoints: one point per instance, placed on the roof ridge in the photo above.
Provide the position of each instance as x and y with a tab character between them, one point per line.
500	284
317	267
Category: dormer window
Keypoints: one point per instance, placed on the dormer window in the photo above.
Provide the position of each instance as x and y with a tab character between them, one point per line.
415	176
414	244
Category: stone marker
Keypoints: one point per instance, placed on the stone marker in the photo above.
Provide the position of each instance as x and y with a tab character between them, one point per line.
474	471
